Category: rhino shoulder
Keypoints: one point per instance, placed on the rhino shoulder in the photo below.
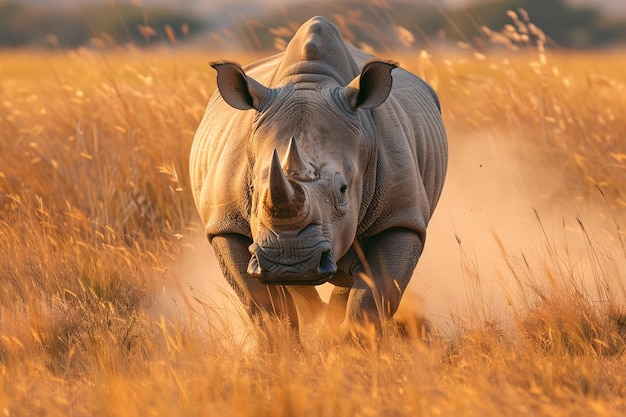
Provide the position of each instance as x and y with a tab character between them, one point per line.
411	159
218	169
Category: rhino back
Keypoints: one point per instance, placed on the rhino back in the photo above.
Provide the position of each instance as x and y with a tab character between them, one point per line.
316	48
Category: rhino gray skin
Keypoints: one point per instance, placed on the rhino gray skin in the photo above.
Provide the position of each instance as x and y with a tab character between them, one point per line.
309	167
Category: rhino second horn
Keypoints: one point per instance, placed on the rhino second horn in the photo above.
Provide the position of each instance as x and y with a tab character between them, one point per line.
281	192
294	166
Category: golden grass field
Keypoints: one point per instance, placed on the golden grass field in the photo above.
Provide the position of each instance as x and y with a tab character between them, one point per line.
110	304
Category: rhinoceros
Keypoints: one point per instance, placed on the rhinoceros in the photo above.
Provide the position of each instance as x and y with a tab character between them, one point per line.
318	165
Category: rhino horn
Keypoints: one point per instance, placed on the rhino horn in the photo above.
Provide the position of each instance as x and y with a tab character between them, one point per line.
281	192
294	166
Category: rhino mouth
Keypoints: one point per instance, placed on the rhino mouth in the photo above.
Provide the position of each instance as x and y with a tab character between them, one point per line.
292	262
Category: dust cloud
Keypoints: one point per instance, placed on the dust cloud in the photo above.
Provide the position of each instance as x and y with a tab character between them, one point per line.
198	295
497	192
488	192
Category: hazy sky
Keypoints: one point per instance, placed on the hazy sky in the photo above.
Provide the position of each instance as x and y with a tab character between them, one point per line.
610	6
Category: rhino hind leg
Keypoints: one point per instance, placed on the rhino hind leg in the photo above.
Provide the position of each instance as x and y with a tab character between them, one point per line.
390	259
264	303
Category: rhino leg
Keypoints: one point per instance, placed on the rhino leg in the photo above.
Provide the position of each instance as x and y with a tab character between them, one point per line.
308	303
337	307
390	258
263	302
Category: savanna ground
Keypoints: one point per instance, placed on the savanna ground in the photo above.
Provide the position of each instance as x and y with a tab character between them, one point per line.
110	304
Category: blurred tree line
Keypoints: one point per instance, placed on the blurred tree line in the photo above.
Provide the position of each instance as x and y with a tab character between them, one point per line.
377	23
28	25
565	25
392	23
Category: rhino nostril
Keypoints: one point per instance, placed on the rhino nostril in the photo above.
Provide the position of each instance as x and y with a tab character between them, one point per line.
327	263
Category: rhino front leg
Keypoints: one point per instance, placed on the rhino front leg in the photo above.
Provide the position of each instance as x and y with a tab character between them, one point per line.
262	302
390	258
337	308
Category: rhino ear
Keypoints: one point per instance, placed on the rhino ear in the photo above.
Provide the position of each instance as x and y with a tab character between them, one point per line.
372	87
237	89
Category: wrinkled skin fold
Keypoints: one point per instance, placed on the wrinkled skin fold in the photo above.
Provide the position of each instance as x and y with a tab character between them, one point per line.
321	163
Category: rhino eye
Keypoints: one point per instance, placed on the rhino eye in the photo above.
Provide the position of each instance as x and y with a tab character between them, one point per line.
340	186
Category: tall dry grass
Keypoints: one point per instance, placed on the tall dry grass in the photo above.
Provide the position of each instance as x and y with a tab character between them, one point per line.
96	216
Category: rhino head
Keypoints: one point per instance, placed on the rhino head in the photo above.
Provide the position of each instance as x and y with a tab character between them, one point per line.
311	149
